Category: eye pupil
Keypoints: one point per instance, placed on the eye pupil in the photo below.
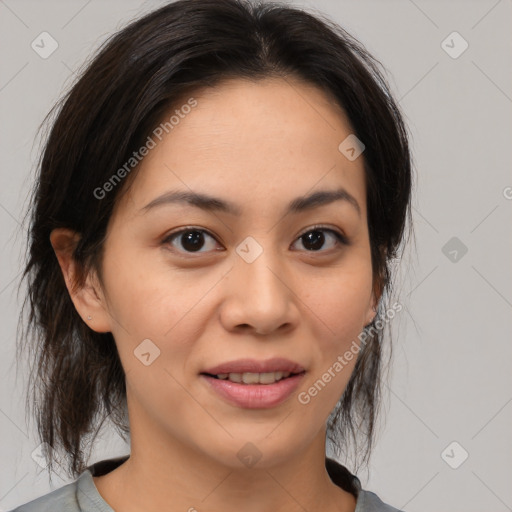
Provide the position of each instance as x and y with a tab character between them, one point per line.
192	240
315	239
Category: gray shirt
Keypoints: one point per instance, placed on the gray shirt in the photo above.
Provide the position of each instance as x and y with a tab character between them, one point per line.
83	496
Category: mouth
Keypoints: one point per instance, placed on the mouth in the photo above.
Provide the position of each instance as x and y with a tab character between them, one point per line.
254	371
254	384
248	378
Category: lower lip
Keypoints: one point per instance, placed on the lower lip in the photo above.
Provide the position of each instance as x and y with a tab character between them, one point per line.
255	396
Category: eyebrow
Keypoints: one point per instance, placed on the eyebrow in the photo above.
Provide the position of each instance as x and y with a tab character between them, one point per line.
210	203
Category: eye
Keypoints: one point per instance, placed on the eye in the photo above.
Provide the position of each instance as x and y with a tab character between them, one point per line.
191	240
315	238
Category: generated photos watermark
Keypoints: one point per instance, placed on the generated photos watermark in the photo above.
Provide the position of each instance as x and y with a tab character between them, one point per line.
137	156
304	397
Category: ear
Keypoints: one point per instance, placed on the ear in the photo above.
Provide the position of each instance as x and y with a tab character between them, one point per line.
371	313
88	299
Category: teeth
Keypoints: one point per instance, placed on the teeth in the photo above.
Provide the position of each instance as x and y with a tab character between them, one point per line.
235	377
268	378
254	378
250	378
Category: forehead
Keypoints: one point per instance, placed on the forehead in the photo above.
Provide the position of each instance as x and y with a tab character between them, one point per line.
254	142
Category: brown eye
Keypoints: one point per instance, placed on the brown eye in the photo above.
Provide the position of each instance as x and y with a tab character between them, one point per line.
316	238
191	240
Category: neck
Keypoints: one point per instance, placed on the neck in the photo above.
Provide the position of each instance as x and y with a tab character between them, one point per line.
165	474
171	476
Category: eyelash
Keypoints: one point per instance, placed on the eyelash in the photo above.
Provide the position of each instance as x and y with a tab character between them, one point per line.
341	239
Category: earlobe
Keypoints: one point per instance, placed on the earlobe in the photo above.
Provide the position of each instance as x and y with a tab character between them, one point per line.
372	308
372	313
88	301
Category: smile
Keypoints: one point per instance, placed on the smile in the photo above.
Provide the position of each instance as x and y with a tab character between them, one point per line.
254	390
253	378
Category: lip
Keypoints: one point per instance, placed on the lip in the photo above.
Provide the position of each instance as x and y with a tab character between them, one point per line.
275	364
254	396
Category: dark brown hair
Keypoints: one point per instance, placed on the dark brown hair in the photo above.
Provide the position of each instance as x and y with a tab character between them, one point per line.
138	75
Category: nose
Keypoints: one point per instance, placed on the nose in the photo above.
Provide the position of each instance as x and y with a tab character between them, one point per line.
260	297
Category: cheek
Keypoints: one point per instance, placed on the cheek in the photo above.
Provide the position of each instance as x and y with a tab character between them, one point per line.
154	313
339	303
146	297
150	300
338	308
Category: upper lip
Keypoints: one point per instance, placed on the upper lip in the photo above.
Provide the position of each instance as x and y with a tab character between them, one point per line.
254	366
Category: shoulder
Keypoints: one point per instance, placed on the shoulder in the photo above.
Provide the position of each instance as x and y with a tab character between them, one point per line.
63	499
368	501
78	496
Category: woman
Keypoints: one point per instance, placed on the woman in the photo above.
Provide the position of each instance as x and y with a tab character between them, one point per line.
217	205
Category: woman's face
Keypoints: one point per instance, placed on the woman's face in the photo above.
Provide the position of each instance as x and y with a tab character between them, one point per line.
252	280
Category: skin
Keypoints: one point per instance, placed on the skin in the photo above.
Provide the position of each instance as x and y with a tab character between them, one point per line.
258	144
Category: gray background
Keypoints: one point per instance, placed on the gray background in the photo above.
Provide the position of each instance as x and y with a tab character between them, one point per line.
451	375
